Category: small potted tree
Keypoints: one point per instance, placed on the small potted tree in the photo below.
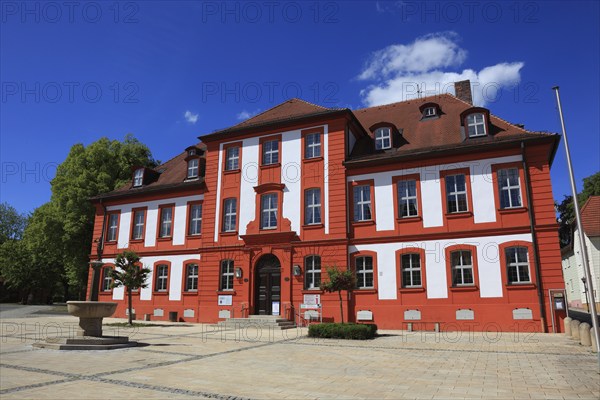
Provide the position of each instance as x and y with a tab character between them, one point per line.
128	273
339	280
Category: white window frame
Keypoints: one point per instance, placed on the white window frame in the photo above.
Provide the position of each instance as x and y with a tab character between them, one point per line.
138	225
461	267
504	185
230	215
312	272
195	224
405	198
113	227
362	272
192	169
412	270
191	279
268	212
162	277
138	177
166	222
232	158
270	153
453	194
381	136
362	203
106	279
429	112
312	205
477	122
516	264
226	275
312	145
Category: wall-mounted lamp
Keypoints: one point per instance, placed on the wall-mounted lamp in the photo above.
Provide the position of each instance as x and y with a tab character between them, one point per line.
297	270
238	272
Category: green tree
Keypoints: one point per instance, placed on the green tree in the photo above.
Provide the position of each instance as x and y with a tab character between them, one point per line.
339	280
129	273
12	223
566	209
88	171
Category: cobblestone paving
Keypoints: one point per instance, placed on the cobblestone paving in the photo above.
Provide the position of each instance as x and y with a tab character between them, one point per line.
199	361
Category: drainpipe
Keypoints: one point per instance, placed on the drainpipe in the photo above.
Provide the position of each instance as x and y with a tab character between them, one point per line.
538	274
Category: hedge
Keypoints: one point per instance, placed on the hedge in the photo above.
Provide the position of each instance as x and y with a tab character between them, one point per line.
343	331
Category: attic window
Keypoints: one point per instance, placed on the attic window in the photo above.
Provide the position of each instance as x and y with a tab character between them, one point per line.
429	112
192	169
138	177
476	125
383	138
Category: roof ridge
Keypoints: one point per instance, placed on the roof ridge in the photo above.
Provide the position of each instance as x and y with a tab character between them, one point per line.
406	101
171	159
279	105
589	199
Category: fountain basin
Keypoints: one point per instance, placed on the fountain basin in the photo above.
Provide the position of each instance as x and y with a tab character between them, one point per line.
90	315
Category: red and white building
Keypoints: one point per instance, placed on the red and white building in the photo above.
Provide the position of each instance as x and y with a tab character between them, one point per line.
443	210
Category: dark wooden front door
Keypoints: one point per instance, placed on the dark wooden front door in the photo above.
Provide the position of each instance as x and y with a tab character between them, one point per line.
268	285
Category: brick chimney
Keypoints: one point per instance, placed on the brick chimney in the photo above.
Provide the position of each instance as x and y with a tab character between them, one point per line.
463	91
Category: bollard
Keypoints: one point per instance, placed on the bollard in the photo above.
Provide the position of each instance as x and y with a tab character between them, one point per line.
584	334
575	329
593	340
567	322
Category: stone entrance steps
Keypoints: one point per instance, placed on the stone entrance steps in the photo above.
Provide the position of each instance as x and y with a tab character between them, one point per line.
257	321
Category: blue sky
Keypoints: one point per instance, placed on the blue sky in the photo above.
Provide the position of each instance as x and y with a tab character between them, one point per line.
171	71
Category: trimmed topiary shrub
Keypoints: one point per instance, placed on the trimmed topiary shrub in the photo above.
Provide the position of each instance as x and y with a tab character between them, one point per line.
343	331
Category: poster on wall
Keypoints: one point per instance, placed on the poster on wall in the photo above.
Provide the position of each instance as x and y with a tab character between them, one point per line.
225	300
312	299
275	308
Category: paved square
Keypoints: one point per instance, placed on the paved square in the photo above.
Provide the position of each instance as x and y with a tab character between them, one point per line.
186	360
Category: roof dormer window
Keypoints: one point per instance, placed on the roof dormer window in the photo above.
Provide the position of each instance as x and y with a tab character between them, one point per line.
192	168
138	177
383	138
476	125
191	152
429	112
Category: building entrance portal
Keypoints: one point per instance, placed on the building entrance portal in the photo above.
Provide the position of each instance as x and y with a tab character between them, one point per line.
267	297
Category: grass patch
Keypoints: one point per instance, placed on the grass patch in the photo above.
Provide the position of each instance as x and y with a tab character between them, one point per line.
349	331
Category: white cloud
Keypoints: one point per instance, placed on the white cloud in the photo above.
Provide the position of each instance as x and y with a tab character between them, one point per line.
190	117
400	71
246	114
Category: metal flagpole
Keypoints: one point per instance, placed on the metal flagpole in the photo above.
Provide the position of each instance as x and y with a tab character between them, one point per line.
584	255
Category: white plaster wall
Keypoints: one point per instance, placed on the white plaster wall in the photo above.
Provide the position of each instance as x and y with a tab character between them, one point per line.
179	219
482	191
249	179
593	253
436	267
291	173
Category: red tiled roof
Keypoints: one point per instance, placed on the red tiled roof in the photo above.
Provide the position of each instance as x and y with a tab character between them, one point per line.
590	216
286	110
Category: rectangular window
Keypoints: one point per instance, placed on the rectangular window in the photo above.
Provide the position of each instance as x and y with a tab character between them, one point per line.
195	223
106	280
232	159
462	268
456	193
312	268
517	260
138	225
192	170
270	152
138	177
407	198
312	206
312	145
362	203
383	138
411	270
364	272
476	125
268	211
166	222
227	275
162	276
113	226
191	278
509	188
229	215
